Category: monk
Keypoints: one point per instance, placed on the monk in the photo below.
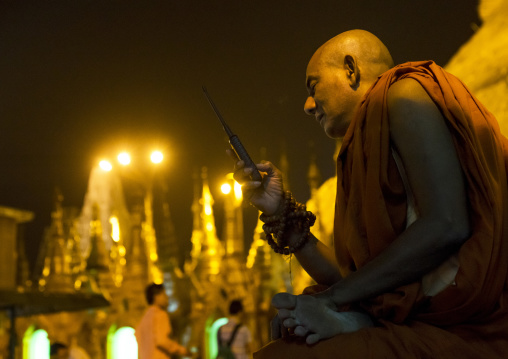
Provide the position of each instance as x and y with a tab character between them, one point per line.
420	259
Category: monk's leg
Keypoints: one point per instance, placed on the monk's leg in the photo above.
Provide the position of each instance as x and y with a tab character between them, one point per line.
389	340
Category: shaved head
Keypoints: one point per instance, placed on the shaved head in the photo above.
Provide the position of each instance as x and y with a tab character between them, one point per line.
371	54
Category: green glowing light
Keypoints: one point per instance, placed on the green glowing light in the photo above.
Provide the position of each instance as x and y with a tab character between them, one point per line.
212	336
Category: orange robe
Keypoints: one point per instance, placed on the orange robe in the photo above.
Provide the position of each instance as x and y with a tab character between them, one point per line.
466	320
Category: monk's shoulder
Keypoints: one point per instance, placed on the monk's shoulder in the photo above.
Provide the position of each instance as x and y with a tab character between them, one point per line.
411	110
407	92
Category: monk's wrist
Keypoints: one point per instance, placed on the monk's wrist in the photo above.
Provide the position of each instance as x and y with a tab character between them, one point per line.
288	231
279	210
295	234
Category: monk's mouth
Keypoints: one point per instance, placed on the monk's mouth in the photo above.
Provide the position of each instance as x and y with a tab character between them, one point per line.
319	119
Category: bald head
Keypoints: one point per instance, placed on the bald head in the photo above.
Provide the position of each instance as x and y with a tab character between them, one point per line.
338	75
371	55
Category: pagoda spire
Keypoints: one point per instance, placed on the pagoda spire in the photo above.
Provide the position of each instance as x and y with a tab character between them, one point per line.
98	257
203	270
97	265
136	274
197	226
211	248
23	280
167	243
233	235
56	273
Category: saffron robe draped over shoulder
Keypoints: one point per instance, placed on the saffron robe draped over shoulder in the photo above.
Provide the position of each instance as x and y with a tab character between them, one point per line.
468	319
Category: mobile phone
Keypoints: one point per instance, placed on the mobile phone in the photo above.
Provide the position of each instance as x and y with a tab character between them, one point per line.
234	141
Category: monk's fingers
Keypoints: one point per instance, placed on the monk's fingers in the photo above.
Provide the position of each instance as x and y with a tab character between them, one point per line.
300	331
312	338
267	166
277	329
291	323
284	301
239	170
284	331
232	154
275	326
250	185
243	175
285	314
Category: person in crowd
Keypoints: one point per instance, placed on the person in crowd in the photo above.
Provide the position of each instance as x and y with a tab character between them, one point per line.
153	333
241	340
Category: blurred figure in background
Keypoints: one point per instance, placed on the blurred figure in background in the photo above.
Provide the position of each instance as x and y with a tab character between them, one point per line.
154	330
235	333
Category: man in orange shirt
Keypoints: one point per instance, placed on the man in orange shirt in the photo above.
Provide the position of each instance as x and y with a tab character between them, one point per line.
154	330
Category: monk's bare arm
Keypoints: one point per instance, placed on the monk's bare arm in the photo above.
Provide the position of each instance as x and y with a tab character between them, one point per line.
422	139
319	262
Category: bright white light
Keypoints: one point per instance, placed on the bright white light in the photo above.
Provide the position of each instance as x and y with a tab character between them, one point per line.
124	158
156	156
39	345
105	165
226	188
124	344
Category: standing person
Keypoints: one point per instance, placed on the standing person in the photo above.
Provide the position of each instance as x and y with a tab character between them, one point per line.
241	343
419	267
153	332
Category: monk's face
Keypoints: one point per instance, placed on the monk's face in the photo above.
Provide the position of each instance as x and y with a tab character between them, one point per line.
331	99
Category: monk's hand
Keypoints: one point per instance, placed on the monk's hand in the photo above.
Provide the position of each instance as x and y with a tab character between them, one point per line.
265	195
278	330
316	317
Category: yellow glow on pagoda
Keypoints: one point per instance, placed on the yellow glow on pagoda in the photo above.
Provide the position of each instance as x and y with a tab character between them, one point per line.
208	209
115	228
210	240
238	191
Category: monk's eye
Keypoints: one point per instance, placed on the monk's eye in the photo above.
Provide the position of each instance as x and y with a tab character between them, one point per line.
313	88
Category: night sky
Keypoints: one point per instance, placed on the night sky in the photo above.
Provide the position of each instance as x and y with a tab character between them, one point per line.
81	80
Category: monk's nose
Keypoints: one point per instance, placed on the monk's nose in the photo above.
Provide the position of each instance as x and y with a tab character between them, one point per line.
310	106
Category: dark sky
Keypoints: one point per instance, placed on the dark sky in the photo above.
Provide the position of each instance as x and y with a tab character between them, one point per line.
82	79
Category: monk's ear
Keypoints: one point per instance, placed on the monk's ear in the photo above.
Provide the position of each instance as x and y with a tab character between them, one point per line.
352	71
